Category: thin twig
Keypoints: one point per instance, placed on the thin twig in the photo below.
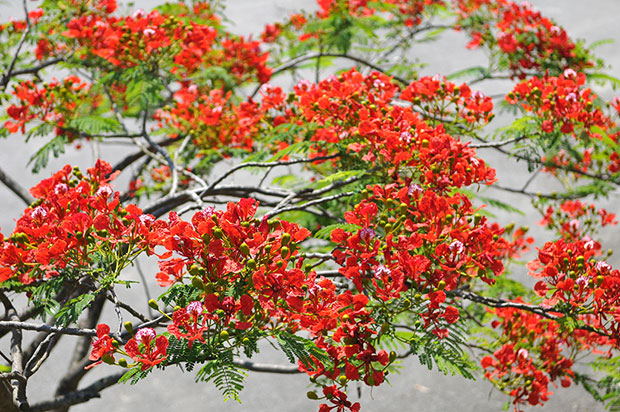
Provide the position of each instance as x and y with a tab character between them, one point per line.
7	76
269	165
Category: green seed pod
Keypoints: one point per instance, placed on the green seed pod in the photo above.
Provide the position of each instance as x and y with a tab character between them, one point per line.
392	356
244	249
153	304
251	264
224	335
128	327
312	395
122	362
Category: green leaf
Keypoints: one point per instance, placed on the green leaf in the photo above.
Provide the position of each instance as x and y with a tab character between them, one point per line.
470	72
338	176
56	146
134	375
74	308
600	43
604	79
500	205
95	125
227	377
297	348
445	353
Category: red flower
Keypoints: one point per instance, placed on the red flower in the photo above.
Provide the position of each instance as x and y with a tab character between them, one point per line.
339	401
101	346
147	349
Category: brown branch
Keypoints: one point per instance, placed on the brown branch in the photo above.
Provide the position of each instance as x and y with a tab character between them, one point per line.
70	381
547	313
17	325
17	364
16	188
265	367
37	69
79	396
7	76
268	164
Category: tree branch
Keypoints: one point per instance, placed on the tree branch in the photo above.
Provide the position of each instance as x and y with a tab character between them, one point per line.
16	188
17	362
266	367
7	76
79	396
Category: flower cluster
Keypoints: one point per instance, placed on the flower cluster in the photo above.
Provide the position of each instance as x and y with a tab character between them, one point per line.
573	279
530	356
73	218
145	348
575	220
438	98
560	103
355	114
55	103
527	40
152	37
389	255
214	122
410	13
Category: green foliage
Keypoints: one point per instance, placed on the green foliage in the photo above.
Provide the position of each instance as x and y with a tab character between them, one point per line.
72	310
180	294
227	377
95	125
56	146
134	375
300	349
446	354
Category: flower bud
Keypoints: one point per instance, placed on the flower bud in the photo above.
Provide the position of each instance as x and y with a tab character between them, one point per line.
284	252
197	283
286	237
